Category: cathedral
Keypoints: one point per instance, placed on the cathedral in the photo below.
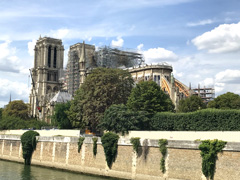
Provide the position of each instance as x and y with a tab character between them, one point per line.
50	85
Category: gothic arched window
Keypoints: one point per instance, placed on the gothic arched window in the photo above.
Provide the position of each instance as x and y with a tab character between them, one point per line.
55	89
49	56
55	58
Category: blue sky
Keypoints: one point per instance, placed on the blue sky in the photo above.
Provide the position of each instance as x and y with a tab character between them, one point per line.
199	38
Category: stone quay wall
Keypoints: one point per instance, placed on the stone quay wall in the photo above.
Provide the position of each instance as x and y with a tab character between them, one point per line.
183	160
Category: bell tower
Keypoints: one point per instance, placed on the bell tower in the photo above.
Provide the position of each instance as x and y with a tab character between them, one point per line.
48	61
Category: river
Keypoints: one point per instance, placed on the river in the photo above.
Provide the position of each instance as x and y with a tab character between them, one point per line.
17	171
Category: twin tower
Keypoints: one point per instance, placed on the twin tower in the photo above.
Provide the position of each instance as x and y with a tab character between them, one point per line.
48	65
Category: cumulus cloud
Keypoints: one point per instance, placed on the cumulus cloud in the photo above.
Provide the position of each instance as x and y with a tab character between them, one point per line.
224	38
17	89
224	81
139	47
200	23
9	61
155	55
31	46
118	43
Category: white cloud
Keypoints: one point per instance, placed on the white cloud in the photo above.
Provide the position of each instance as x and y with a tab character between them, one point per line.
155	55
228	76
139	47
31	46
200	23
9	61
17	89
118	43
224	38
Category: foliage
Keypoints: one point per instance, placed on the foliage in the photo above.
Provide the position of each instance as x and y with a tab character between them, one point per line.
102	88
136	143
11	122
60	118
17	109
163	149
29	142
95	146
110	145
1	110
190	104
228	100
209	150
203	120
147	96
80	143
118	118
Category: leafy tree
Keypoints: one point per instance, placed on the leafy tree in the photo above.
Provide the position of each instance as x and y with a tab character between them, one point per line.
118	118
102	88
1	110
190	104
16	108
148	96
228	100
60	117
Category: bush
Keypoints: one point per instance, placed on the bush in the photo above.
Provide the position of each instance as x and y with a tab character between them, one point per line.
136	143
110	145
29	142
80	143
118	118
163	149
209	150
95	146
203	120
11	122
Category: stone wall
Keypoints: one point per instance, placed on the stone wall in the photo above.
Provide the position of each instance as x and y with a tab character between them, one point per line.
183	159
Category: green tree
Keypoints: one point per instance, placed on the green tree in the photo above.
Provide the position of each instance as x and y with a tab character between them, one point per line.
190	104
148	96
60	117
102	88
16	108
118	118
1	110
228	100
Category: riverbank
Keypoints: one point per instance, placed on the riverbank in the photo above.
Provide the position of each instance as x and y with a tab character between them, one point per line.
183	159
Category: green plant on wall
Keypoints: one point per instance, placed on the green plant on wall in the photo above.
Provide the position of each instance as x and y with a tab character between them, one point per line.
29	143
209	150
95	146
135	141
110	145
80	142
163	149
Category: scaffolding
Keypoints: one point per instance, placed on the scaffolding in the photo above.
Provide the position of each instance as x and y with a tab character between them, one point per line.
104	57
206	93
115	58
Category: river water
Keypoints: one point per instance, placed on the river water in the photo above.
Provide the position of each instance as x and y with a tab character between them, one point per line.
17	171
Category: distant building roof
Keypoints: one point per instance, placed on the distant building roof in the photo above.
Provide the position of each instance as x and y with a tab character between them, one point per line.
61	97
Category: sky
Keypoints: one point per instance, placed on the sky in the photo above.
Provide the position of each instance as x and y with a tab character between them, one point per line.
199	38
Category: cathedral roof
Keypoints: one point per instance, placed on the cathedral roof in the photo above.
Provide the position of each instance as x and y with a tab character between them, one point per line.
61	97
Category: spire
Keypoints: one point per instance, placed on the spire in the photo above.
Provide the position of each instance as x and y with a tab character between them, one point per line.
83	55
40	37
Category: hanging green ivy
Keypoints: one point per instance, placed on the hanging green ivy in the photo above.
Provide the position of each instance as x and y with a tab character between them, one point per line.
29	143
135	141
80	143
163	149
95	146
110	145
209	150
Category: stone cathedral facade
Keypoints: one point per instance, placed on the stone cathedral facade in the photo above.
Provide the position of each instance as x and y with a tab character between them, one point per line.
48	63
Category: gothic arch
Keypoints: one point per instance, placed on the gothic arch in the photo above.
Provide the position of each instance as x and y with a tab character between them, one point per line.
49	89
55	89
